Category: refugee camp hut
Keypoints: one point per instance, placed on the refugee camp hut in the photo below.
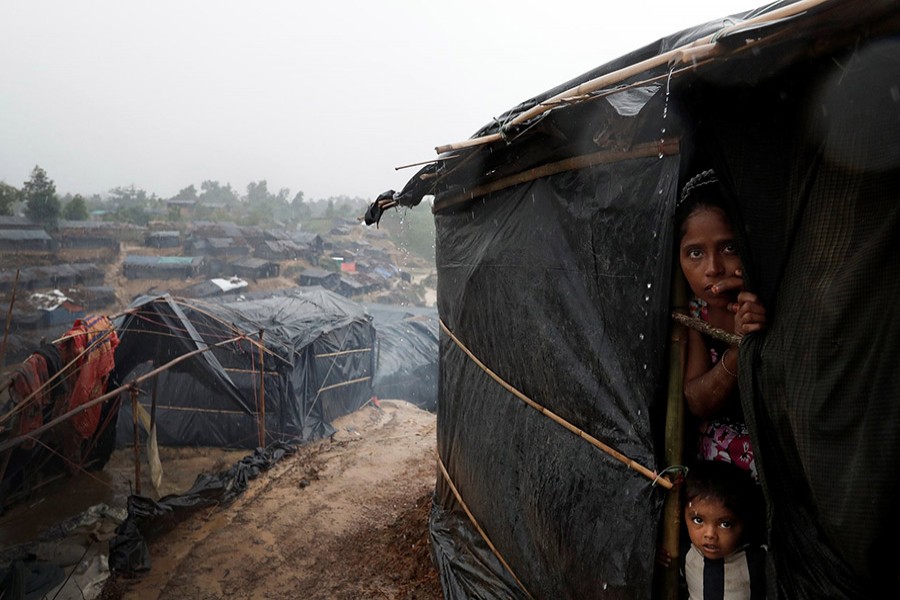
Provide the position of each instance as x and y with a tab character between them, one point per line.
26	241
163	239
17	222
317	364
555	264
406	365
281	250
161	267
329	280
255	268
218	247
87	235
311	240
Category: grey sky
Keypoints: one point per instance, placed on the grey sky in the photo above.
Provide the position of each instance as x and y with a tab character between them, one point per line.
324	97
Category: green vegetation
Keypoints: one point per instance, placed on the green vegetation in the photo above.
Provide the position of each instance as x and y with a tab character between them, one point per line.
75	209
39	194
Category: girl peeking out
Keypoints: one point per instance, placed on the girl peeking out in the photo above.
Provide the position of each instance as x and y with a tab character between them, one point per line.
712	267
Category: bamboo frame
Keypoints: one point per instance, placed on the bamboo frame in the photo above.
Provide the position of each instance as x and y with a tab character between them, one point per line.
702	48
656	478
666	147
474	521
12	443
342	384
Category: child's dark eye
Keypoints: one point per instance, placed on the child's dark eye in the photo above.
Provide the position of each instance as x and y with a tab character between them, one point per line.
694	253
725	525
697	520
730	248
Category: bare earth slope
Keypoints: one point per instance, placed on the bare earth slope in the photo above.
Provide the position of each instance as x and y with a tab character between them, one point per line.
343	518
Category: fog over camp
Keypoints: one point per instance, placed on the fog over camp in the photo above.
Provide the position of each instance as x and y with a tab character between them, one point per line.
326	99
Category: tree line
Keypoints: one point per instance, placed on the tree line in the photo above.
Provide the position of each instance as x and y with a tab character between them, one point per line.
39	201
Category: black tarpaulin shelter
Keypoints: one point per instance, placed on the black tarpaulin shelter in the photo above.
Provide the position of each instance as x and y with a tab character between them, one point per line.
554	255
406	364
317	359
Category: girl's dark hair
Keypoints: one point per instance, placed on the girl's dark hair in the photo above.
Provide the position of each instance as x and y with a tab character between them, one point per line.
701	190
733	486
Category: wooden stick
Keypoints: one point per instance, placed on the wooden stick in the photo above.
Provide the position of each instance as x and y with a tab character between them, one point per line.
674	443
474	521
137	440
262	393
704	327
655	477
12	443
683	54
12	300
426	162
342	353
342	384
665	147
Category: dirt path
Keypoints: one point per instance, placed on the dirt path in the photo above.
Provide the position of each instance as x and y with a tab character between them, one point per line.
345	518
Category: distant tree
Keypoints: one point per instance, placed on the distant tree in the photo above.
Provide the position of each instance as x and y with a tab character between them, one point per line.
8	197
329	211
258	192
39	194
188	193
300	210
131	196
132	214
75	209
214	193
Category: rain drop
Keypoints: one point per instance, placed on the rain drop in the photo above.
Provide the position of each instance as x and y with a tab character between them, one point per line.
641	336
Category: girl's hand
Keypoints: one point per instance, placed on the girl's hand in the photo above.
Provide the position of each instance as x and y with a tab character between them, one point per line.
749	313
732	283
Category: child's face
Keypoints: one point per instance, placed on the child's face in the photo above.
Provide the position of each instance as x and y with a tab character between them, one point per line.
708	254
713	528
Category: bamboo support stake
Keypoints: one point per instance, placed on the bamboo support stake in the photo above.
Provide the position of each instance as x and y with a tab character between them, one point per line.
674	441
704	327
12	443
12	300
631	464
474	521
262	393
137	439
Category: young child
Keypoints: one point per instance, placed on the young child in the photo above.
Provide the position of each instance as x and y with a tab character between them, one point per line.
721	513
711	264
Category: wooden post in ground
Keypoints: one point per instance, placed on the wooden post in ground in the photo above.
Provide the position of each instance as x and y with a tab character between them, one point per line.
137	439
262	393
12	300
667	579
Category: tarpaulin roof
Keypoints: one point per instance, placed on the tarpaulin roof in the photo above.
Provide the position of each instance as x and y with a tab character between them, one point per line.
318	365
555	252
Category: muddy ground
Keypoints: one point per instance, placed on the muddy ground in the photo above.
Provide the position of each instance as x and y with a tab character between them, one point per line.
344	518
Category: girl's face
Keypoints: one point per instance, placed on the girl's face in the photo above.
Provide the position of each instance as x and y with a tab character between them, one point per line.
708	254
713	528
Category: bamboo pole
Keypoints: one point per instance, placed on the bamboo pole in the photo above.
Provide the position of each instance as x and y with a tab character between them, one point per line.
474	521
666	147
702	48
674	441
12	300
262	393
137	439
12	443
631	464
702	326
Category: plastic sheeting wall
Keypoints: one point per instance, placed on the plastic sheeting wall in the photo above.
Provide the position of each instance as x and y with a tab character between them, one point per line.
561	287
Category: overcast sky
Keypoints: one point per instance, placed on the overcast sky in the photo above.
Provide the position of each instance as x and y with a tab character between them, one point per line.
323	97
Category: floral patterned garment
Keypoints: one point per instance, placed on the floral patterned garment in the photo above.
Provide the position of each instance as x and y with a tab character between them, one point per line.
724	438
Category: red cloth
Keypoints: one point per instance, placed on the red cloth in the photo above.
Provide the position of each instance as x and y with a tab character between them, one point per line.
96	334
26	379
